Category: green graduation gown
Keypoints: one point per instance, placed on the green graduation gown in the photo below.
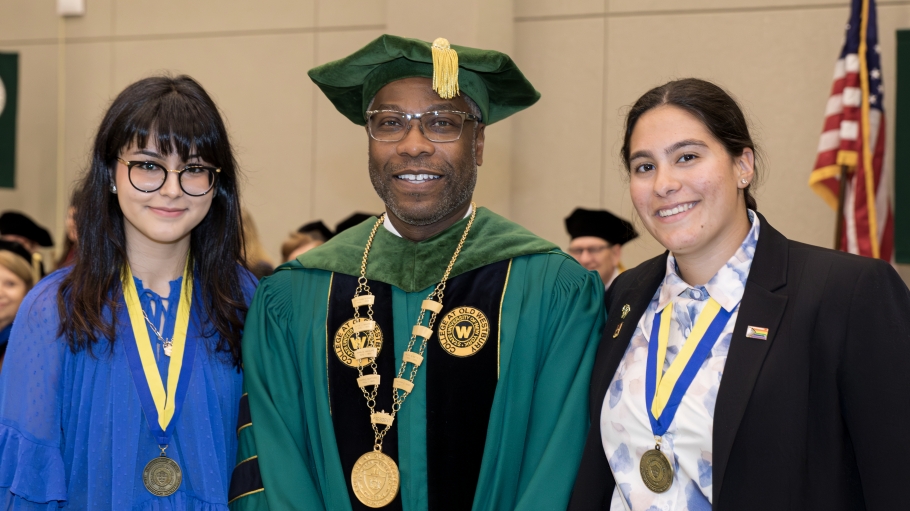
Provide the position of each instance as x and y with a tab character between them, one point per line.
497	429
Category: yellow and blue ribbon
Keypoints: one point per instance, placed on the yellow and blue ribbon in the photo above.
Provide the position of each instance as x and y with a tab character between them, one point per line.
161	407
664	391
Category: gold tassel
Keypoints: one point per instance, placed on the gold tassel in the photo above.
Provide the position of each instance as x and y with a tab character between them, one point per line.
36	267
445	69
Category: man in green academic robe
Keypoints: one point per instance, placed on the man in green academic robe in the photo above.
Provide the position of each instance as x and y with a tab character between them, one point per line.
458	377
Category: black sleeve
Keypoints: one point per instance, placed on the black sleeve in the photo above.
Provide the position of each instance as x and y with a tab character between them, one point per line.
875	381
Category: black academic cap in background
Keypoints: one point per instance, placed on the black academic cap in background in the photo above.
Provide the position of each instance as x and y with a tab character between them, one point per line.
12	222
351	221
600	223
18	249
318	228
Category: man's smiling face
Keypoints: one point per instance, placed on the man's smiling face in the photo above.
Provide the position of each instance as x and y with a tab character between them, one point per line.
423	182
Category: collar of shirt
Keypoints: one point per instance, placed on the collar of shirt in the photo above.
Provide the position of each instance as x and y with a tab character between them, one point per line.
391	228
612	278
726	286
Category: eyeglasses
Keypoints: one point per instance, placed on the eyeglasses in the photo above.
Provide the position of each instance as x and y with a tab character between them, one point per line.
578	251
147	176
437	126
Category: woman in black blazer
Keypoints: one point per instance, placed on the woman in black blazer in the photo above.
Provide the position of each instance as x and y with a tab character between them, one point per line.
814	353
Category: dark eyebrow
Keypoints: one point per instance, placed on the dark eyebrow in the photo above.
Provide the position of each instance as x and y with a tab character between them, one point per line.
153	154
684	143
146	152
431	108
640	154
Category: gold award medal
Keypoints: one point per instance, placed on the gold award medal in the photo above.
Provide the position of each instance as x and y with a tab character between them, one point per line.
375	479
344	345
162	476
656	471
464	331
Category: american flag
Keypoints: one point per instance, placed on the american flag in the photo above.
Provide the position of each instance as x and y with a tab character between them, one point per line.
854	136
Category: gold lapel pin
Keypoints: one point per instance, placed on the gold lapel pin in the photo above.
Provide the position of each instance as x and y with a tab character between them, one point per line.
625	311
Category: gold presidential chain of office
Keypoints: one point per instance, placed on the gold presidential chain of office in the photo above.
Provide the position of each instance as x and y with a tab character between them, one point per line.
375	476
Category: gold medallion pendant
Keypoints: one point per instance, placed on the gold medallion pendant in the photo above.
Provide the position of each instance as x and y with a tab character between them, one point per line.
464	331
375	479
345	344
162	476
656	471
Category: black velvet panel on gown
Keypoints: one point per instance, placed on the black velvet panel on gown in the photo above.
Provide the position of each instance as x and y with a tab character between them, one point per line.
460	389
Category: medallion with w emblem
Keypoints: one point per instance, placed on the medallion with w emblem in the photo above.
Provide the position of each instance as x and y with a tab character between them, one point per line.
464	331
345	344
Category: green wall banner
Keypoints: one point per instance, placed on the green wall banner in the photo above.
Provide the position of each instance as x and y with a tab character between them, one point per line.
9	89
902	151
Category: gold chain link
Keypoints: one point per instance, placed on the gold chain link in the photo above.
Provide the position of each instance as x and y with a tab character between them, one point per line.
398	395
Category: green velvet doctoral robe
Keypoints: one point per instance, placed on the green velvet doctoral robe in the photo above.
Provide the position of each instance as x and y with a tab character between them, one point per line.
503	427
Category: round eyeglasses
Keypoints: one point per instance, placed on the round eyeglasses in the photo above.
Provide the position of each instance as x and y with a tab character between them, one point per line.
437	126
147	176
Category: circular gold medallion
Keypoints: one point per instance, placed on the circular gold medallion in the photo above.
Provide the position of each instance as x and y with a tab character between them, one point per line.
656	471
344	348
463	331
375	479
162	476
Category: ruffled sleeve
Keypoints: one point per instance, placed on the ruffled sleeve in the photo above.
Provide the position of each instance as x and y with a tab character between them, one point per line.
32	471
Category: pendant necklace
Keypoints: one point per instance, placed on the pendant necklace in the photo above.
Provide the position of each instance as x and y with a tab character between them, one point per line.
162	342
375	477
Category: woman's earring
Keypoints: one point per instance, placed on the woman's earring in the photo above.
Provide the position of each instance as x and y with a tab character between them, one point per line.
743	181
113	189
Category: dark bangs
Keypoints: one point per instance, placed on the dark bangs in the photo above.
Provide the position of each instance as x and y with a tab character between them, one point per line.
183	118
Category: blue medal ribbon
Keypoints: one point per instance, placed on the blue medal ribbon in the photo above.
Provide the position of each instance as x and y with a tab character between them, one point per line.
670	387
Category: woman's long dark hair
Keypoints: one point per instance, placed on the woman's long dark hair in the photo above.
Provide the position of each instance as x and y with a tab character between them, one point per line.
182	117
710	104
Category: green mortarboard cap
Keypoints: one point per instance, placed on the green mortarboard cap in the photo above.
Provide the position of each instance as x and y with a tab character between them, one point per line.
488	77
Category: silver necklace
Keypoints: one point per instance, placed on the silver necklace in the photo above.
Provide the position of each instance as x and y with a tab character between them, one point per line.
166	343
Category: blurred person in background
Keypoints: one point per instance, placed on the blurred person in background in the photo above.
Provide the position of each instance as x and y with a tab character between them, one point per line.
17	276
317	230
597	240
18	227
126	364
351	221
296	244
257	259
68	251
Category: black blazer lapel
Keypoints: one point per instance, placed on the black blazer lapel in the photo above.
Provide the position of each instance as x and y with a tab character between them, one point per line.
762	307
637	294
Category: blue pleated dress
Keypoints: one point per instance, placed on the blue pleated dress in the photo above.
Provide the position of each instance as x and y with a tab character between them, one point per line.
72	431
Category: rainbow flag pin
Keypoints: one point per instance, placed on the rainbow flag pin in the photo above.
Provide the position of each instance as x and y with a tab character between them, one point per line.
757	332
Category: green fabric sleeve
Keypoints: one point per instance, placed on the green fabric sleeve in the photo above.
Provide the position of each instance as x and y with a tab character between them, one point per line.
553	314
278	435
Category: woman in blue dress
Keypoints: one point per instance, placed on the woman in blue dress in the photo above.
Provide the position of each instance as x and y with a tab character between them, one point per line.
122	376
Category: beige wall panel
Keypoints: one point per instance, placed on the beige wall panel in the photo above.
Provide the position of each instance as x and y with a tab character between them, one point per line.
27	19
260	84
477	23
557	142
533	8
88	94
141	17
36	137
779	65
98	21
341	180
683	6
345	13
